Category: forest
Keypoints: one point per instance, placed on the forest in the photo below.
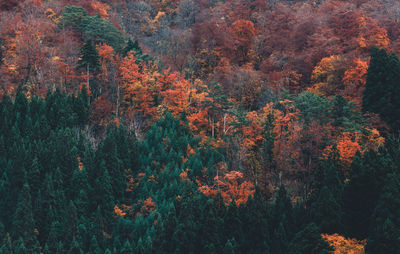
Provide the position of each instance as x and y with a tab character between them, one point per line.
199	126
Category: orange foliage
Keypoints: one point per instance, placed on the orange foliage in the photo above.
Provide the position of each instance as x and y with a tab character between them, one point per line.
287	129
148	206
371	34
253	133
354	80
327	75
345	245
118	212
243	31
231	187
100	8
176	98
347	144
80	164
184	175
138	88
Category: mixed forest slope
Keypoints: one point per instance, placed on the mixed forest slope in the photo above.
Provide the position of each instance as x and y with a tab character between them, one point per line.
166	126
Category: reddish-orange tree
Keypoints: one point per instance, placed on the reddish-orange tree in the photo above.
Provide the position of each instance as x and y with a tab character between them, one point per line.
232	188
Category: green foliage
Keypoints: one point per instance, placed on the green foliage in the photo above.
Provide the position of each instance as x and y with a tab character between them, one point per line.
309	241
382	88
92	28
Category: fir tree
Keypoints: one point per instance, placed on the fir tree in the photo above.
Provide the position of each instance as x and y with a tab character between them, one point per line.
23	223
309	241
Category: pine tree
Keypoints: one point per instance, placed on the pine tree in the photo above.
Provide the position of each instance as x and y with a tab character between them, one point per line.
89	58
327	212
309	241
23	223
230	246
75	248
94	246
6	246
70	224
366	180
20	247
127	249
385	235
382	90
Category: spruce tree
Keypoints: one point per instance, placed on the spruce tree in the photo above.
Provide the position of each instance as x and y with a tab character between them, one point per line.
20	247
75	248
23	223
6	246
384	235
382	90
327	212
89	57
127	249
309	241
94	246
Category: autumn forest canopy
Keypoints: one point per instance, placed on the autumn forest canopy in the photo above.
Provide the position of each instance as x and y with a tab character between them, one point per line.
199	126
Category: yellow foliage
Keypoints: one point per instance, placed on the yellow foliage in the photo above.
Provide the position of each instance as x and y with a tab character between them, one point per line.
343	245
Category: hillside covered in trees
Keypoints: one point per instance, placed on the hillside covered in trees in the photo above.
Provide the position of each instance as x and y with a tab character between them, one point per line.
199	126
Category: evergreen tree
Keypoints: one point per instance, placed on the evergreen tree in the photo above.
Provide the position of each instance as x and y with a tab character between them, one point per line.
75	248
309	241
20	247
385	229
94	246
366	180
382	90
23	223
70	223
127	249
326	212
6	246
89	62
230	246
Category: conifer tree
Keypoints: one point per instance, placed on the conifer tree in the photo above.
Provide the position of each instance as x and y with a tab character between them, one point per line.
94	246
23	223
6	246
20	247
327	212
382	90
385	229
75	248
127	249
309	241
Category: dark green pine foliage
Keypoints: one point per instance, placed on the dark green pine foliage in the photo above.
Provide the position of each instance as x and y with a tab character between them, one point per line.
137	50
75	248
94	246
127	249
384	234
382	90
230	247
118	151
89	58
54	237
92	28
5	201
309	241
254	232
6	245
23	223
326	199
362	192
327	212
20	247
70	224
282	222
